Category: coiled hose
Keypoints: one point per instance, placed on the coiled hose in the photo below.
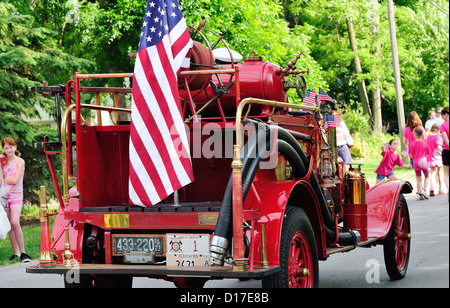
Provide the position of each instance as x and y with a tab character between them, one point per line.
290	148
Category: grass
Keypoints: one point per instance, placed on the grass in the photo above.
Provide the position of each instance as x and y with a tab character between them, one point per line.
369	166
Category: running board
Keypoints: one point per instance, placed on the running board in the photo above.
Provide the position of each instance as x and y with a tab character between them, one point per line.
155	270
335	249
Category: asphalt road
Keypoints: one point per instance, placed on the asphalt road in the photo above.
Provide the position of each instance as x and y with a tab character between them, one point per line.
360	268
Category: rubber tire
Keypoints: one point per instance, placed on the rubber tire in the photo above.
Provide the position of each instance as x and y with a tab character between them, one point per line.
295	220
392	241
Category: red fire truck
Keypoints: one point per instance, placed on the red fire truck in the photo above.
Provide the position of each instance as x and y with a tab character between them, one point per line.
269	201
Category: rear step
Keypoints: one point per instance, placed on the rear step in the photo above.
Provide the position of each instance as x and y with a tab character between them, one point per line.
156	270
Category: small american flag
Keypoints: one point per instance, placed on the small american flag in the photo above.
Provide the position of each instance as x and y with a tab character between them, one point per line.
310	98
160	162
332	120
323	96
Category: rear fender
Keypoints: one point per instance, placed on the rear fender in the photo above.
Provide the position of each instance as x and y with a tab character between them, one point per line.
381	202
275	196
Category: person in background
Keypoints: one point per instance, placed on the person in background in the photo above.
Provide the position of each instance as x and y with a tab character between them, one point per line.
412	122
418	149
342	135
13	172
434	142
390	159
445	147
431	121
438	118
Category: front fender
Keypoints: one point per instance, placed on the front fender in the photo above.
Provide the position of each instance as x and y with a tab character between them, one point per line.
381	202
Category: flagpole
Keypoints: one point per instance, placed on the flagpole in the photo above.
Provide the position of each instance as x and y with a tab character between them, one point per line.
398	82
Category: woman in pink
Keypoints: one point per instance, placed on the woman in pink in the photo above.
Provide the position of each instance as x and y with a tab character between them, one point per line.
412	122
419	151
434	142
13	172
390	159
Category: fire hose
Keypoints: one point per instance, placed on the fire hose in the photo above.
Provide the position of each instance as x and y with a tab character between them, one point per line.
290	148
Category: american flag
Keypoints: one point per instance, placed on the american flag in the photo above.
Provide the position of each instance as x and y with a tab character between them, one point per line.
160	162
310	98
323	96
332	120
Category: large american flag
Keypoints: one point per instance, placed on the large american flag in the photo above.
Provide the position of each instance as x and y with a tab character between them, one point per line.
160	162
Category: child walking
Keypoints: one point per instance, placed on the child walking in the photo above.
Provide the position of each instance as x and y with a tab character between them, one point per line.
390	159
13	171
418	149
434	142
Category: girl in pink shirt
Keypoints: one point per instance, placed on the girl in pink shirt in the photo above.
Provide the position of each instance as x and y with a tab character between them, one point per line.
419	151
390	159
12	172
434	142
412	122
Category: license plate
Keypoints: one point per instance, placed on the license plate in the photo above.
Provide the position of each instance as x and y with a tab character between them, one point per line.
138	243
137	257
187	249
188	259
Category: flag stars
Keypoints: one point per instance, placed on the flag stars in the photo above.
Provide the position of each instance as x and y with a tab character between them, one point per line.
152	4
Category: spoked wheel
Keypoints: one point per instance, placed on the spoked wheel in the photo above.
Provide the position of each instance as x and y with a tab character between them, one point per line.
298	254
397	243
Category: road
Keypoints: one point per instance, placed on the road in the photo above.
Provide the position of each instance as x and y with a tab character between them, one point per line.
360	268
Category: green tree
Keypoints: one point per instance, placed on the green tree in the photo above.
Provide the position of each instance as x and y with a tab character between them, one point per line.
422	34
28	56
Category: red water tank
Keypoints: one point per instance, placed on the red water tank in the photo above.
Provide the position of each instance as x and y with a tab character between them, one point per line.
258	79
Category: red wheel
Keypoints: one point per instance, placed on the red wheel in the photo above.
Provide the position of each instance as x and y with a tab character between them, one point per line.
397	243
299	265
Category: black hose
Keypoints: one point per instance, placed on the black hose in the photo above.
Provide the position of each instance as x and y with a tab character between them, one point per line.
286	136
345	238
250	161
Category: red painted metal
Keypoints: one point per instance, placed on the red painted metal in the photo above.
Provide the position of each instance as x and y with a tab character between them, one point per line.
355	218
300	258
238	229
402	242
381	202
45	244
256	79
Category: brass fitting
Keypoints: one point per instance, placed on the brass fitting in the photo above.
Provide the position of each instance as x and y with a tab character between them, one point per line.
67	254
264	262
